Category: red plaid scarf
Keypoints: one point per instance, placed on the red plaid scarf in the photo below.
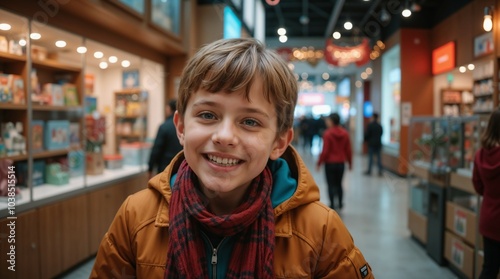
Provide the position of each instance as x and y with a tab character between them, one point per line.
252	223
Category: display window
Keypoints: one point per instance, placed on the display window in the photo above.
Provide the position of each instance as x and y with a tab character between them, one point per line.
390	116
74	113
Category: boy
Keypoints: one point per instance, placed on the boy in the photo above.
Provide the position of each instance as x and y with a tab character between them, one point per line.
238	202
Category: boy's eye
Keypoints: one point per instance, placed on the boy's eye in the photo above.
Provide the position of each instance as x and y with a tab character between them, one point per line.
250	122
207	115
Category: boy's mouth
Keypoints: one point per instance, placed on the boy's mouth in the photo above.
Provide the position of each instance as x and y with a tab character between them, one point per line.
225	162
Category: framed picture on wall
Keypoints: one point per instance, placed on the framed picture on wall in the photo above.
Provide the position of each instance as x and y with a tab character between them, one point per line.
130	79
483	44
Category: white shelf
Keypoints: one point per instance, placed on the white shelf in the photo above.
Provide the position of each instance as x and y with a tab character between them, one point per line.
47	190
110	175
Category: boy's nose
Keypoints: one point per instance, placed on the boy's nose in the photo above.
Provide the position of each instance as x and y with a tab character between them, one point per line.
225	134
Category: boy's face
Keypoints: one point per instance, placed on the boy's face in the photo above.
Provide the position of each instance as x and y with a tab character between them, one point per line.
228	140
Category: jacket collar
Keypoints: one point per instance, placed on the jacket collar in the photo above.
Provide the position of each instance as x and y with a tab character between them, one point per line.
306	192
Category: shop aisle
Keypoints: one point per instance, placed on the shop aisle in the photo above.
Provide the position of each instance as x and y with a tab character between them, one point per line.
375	212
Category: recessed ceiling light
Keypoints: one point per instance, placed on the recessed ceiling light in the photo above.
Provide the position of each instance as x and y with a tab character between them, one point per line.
113	59
5	26
22	42
35	36
60	44
125	63
103	65
98	54
81	49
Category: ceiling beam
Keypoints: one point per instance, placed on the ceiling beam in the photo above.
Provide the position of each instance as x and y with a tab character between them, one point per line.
334	16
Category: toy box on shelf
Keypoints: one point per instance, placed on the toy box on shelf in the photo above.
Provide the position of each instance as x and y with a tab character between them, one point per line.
55	175
113	161
56	134
136	153
12	89
13	140
38	175
76	163
37	128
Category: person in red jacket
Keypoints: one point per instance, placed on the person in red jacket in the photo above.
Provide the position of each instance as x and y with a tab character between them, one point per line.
336	151
486	180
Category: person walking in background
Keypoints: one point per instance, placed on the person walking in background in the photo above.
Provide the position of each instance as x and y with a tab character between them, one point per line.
373	139
486	180
336	151
166	144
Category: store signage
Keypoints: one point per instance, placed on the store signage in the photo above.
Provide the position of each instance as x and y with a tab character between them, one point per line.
311	99
341	56
443	58
483	44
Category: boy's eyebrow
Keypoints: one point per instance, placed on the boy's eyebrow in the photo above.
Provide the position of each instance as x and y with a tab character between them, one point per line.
247	109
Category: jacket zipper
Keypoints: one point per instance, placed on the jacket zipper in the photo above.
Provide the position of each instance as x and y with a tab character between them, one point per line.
214	254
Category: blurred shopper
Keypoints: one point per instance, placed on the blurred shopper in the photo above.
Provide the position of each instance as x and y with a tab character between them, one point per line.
166	144
373	139
486	180
336	151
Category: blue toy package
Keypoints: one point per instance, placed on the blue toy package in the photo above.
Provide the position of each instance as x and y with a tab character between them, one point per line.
56	134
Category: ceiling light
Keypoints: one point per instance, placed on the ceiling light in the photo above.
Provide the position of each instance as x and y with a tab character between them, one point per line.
488	19
348	25
5	26
462	69
325	76
113	59
369	70
471	67
98	54
22	42
281	31
283	38
81	49
60	44
406	12
35	36
125	63
364	75
103	65
336	35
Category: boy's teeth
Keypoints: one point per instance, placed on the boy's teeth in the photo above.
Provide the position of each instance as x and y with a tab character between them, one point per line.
223	161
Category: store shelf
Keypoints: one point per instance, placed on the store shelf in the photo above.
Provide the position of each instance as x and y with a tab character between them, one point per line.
54	65
5	56
57	108
16	157
130	116
130	135
12	106
53	153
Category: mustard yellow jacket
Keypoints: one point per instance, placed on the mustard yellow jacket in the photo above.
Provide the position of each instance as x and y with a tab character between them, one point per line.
311	239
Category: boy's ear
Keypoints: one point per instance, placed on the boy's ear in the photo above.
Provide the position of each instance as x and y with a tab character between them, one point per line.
281	144
179	127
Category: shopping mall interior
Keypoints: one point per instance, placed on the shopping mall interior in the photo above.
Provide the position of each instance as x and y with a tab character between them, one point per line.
84	84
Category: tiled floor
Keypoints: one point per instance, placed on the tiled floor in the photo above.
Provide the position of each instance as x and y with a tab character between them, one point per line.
375	212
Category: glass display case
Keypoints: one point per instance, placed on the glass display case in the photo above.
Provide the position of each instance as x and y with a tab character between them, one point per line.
49	132
462	202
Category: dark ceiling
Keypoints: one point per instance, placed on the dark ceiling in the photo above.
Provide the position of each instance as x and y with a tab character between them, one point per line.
373	18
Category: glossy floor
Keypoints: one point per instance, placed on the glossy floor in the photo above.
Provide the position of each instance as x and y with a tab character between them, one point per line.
375	212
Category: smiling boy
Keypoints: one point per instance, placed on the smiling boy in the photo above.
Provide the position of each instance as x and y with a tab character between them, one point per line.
238	201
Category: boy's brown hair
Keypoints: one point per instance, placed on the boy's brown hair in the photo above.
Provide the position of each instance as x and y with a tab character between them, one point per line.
231	65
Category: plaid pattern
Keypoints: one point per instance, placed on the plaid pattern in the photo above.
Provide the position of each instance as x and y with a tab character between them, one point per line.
252	223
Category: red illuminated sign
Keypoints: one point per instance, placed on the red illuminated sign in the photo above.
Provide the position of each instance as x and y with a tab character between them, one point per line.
443	58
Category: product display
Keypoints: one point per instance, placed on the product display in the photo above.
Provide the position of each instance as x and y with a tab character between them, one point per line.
56	134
